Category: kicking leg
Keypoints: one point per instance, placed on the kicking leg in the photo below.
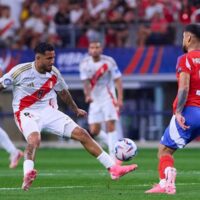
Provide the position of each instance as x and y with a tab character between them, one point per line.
94	149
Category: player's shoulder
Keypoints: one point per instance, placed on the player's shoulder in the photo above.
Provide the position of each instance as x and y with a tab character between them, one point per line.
108	58
20	68
86	59
55	70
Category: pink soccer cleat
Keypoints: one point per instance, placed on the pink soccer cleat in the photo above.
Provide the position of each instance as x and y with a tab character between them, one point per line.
156	189
14	159
28	179
170	187
117	171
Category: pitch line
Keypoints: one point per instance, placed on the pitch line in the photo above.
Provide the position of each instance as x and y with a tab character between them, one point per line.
91	187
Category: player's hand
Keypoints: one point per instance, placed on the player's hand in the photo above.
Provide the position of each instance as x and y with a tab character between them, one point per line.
181	121
119	104
88	99
81	113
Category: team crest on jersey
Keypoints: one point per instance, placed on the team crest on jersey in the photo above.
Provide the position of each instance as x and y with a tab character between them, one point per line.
7	82
179	69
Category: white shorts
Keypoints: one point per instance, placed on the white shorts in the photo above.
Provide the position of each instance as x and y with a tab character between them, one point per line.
48	119
101	112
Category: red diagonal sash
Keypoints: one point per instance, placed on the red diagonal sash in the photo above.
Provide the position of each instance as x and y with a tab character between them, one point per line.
29	100
99	73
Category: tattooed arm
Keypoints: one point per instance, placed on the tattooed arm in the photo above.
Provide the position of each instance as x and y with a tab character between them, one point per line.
67	98
184	84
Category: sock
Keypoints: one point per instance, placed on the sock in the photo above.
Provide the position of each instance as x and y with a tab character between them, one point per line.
165	161
105	160
6	142
112	139
28	166
102	137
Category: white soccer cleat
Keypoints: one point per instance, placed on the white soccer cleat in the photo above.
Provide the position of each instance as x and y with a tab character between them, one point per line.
170	174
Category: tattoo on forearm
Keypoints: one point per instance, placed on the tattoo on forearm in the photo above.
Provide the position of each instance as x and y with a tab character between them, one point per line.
67	98
182	98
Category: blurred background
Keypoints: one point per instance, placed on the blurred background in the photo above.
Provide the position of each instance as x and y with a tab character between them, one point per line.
143	36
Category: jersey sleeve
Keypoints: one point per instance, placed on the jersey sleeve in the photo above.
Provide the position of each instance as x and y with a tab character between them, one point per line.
8	79
61	84
83	71
115	72
183	64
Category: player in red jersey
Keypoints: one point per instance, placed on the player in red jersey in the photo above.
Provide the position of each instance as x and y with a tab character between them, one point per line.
184	125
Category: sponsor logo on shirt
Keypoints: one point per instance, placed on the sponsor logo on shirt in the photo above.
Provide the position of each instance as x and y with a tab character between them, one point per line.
196	60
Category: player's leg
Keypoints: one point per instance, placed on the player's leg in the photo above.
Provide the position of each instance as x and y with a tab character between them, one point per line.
110	116
6	143
95	119
61	124
112	136
174	138
28	124
94	149
33	142
98	134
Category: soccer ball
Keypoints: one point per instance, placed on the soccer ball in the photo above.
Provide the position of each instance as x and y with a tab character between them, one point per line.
125	149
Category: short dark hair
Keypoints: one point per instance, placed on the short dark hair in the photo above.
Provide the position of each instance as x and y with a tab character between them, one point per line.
43	47
194	29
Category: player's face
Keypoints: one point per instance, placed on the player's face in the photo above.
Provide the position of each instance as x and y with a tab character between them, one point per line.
186	41
95	49
47	61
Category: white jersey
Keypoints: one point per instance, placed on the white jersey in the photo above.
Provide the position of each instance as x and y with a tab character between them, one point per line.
101	75
31	89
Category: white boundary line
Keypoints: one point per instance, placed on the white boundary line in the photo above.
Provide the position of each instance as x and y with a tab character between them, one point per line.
90	187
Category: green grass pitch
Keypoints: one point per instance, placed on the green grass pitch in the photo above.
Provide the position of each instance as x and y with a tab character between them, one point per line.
75	175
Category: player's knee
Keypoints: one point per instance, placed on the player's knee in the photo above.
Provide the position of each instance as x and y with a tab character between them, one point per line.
94	131
34	140
80	134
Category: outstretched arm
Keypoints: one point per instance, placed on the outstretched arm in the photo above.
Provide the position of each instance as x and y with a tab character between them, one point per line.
184	84
67	98
87	91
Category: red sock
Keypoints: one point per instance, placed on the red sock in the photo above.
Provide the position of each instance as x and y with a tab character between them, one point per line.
165	161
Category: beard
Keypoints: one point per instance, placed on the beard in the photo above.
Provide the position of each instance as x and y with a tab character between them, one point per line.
184	48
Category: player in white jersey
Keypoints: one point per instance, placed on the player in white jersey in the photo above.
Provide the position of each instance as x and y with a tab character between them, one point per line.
7	144
100	76
34	85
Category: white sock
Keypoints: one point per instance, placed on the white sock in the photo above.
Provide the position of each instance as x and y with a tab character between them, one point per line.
105	160
28	166
162	183
112	139
102	137
6	142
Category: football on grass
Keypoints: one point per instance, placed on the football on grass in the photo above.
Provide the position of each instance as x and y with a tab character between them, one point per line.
125	149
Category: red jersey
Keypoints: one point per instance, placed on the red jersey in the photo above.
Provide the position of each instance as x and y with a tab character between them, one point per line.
190	63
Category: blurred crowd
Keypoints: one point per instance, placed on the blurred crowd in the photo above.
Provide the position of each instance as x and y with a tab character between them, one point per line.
73	23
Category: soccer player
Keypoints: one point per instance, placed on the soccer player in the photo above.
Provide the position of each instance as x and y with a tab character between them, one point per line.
184	125
34	85
100	76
